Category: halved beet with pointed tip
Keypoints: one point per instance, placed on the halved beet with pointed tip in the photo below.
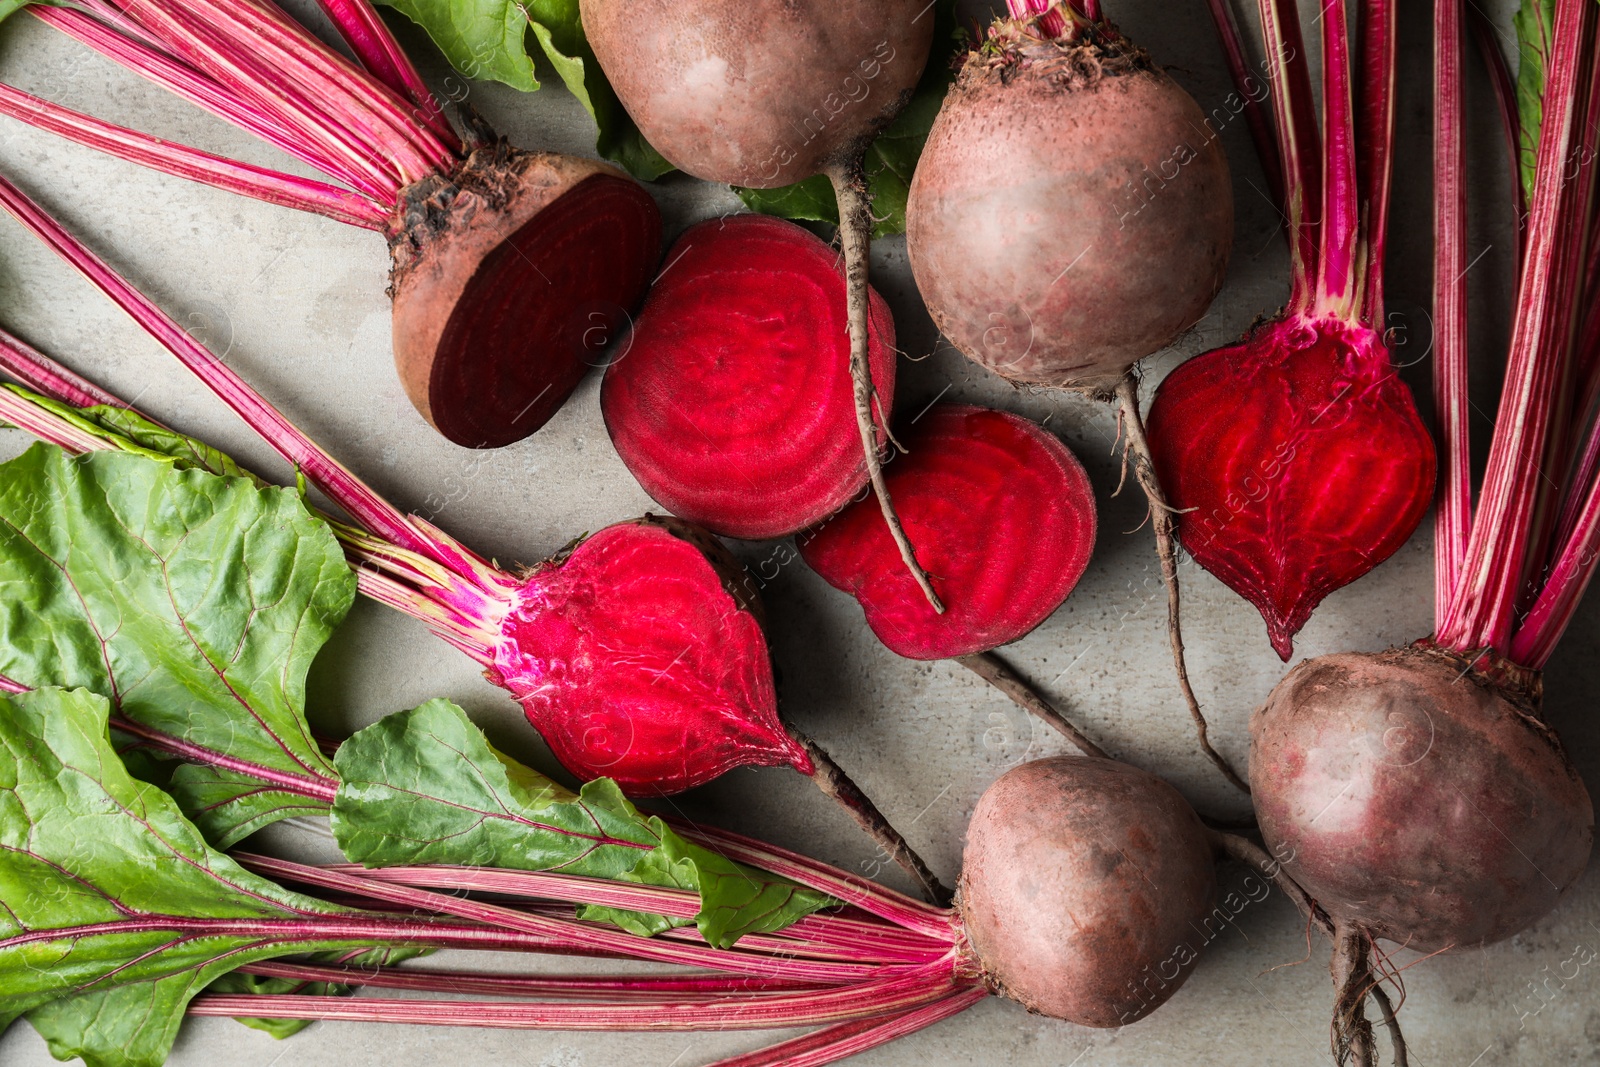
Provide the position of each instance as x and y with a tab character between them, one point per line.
1297	460
1002	515
732	402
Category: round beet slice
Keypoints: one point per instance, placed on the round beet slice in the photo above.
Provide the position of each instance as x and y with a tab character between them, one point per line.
732	403
509	278
1005	515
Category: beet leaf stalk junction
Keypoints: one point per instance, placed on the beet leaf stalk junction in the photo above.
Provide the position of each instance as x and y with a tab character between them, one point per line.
693	697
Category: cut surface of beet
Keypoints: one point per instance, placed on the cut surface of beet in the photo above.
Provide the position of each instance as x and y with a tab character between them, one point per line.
635	660
731	402
519	285
1297	462
1002	515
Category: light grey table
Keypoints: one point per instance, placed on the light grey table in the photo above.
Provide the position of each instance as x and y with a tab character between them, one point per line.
296	305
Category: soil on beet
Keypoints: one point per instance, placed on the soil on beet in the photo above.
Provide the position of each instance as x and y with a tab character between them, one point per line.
510	278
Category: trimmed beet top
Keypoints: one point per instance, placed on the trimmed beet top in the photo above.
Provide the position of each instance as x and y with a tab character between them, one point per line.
732	402
1002	513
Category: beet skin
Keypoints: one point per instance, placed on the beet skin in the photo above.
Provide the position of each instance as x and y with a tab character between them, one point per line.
1085	889
1414	797
760	93
510	278
1070	213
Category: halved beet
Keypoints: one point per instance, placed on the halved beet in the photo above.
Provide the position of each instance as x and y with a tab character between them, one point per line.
732	402
1002	515
1297	460
640	656
510	277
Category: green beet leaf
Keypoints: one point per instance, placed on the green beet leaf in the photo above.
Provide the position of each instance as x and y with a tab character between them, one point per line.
1535	25
194	601
425	786
488	39
891	159
113	909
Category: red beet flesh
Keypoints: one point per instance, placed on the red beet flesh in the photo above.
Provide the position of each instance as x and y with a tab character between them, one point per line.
510	278
640	657
971	477
1298	461
1069	215
1085	889
731	402
1416	799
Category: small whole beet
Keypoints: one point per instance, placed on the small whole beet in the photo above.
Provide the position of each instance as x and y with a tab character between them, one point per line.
732	400
1084	887
1065	219
1417	797
760	93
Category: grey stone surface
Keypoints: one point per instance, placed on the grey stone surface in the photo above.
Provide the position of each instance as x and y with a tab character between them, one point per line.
296	304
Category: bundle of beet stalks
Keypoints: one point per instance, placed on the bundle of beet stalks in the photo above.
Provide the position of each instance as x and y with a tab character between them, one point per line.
510	269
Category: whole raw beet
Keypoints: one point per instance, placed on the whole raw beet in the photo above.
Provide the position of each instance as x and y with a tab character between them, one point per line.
760	93
1069	214
1084	887
1417	798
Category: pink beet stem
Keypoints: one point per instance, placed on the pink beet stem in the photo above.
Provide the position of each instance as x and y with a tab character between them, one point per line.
566	986
303	194
310	785
44	375
843	1040
45	425
566	934
201	45
1453	520
1298	143
1483	603
1340	259
358	23
882	941
364	505
911	989
285	83
939	924
1266	142
161	68
1375	145
1486	37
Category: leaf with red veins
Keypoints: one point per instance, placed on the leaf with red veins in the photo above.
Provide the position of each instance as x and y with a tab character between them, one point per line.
194	602
113	909
425	786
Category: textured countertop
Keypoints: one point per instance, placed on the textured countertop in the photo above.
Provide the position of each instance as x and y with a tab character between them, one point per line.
296	304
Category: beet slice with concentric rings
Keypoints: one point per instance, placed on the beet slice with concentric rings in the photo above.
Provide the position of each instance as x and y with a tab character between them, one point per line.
732	402
1003	516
